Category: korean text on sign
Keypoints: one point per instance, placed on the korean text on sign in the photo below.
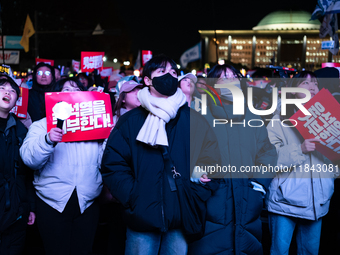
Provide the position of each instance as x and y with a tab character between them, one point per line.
323	126
323	123
91	115
93	62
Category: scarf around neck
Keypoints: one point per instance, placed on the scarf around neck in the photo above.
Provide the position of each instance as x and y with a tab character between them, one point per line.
161	111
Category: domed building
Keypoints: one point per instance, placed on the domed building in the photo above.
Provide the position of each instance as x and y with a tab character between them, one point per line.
282	38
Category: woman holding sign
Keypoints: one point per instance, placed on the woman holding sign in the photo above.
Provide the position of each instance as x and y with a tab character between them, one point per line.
67	182
299	196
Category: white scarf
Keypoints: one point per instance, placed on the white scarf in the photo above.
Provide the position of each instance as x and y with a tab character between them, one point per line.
162	110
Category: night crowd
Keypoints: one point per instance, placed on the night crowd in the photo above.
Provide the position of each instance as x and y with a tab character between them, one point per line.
139	192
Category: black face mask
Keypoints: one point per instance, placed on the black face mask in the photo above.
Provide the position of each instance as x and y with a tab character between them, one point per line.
165	84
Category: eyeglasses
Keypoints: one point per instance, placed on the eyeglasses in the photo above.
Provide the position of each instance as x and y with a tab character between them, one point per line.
47	73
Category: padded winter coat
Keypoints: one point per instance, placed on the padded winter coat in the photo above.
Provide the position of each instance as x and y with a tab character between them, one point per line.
61	169
298	192
135	174
233	222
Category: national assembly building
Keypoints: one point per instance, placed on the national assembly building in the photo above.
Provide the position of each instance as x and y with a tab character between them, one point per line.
282	38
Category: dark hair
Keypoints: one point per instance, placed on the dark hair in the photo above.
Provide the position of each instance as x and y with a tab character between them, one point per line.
60	84
328	78
41	64
6	79
158	61
119	104
216	72
295	82
57	68
298	79
89	79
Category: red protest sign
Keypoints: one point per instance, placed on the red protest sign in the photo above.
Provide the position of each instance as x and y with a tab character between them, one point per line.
75	65
323	123
91	116
91	61
146	56
20	109
46	61
106	72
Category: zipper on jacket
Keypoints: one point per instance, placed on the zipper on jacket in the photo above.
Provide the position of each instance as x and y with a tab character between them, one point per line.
312	180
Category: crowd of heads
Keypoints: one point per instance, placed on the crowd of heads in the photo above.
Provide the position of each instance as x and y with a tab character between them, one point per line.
49	78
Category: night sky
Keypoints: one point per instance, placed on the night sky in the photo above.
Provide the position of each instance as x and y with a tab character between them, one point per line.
168	27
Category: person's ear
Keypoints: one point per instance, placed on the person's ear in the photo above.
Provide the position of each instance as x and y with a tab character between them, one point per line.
147	81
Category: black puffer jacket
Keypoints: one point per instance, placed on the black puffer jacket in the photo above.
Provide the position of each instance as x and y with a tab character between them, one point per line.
16	188
233	221
134	172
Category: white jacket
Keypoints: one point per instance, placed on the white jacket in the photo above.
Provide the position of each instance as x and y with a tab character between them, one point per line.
61	169
298	192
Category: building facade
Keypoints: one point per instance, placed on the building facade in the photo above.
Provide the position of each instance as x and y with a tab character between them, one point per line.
283	38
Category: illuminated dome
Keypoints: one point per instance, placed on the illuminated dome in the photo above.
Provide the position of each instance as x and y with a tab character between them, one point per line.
288	20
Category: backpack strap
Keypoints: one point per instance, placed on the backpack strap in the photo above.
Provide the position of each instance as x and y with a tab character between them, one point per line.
169	167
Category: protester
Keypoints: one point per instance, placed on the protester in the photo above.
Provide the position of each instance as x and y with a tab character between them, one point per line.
67	182
233	221
187	85
57	72
43	81
297	200
85	80
113	82
201	84
128	99
133	164
16	189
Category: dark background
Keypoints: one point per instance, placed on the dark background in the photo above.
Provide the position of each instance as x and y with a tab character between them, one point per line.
168	27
